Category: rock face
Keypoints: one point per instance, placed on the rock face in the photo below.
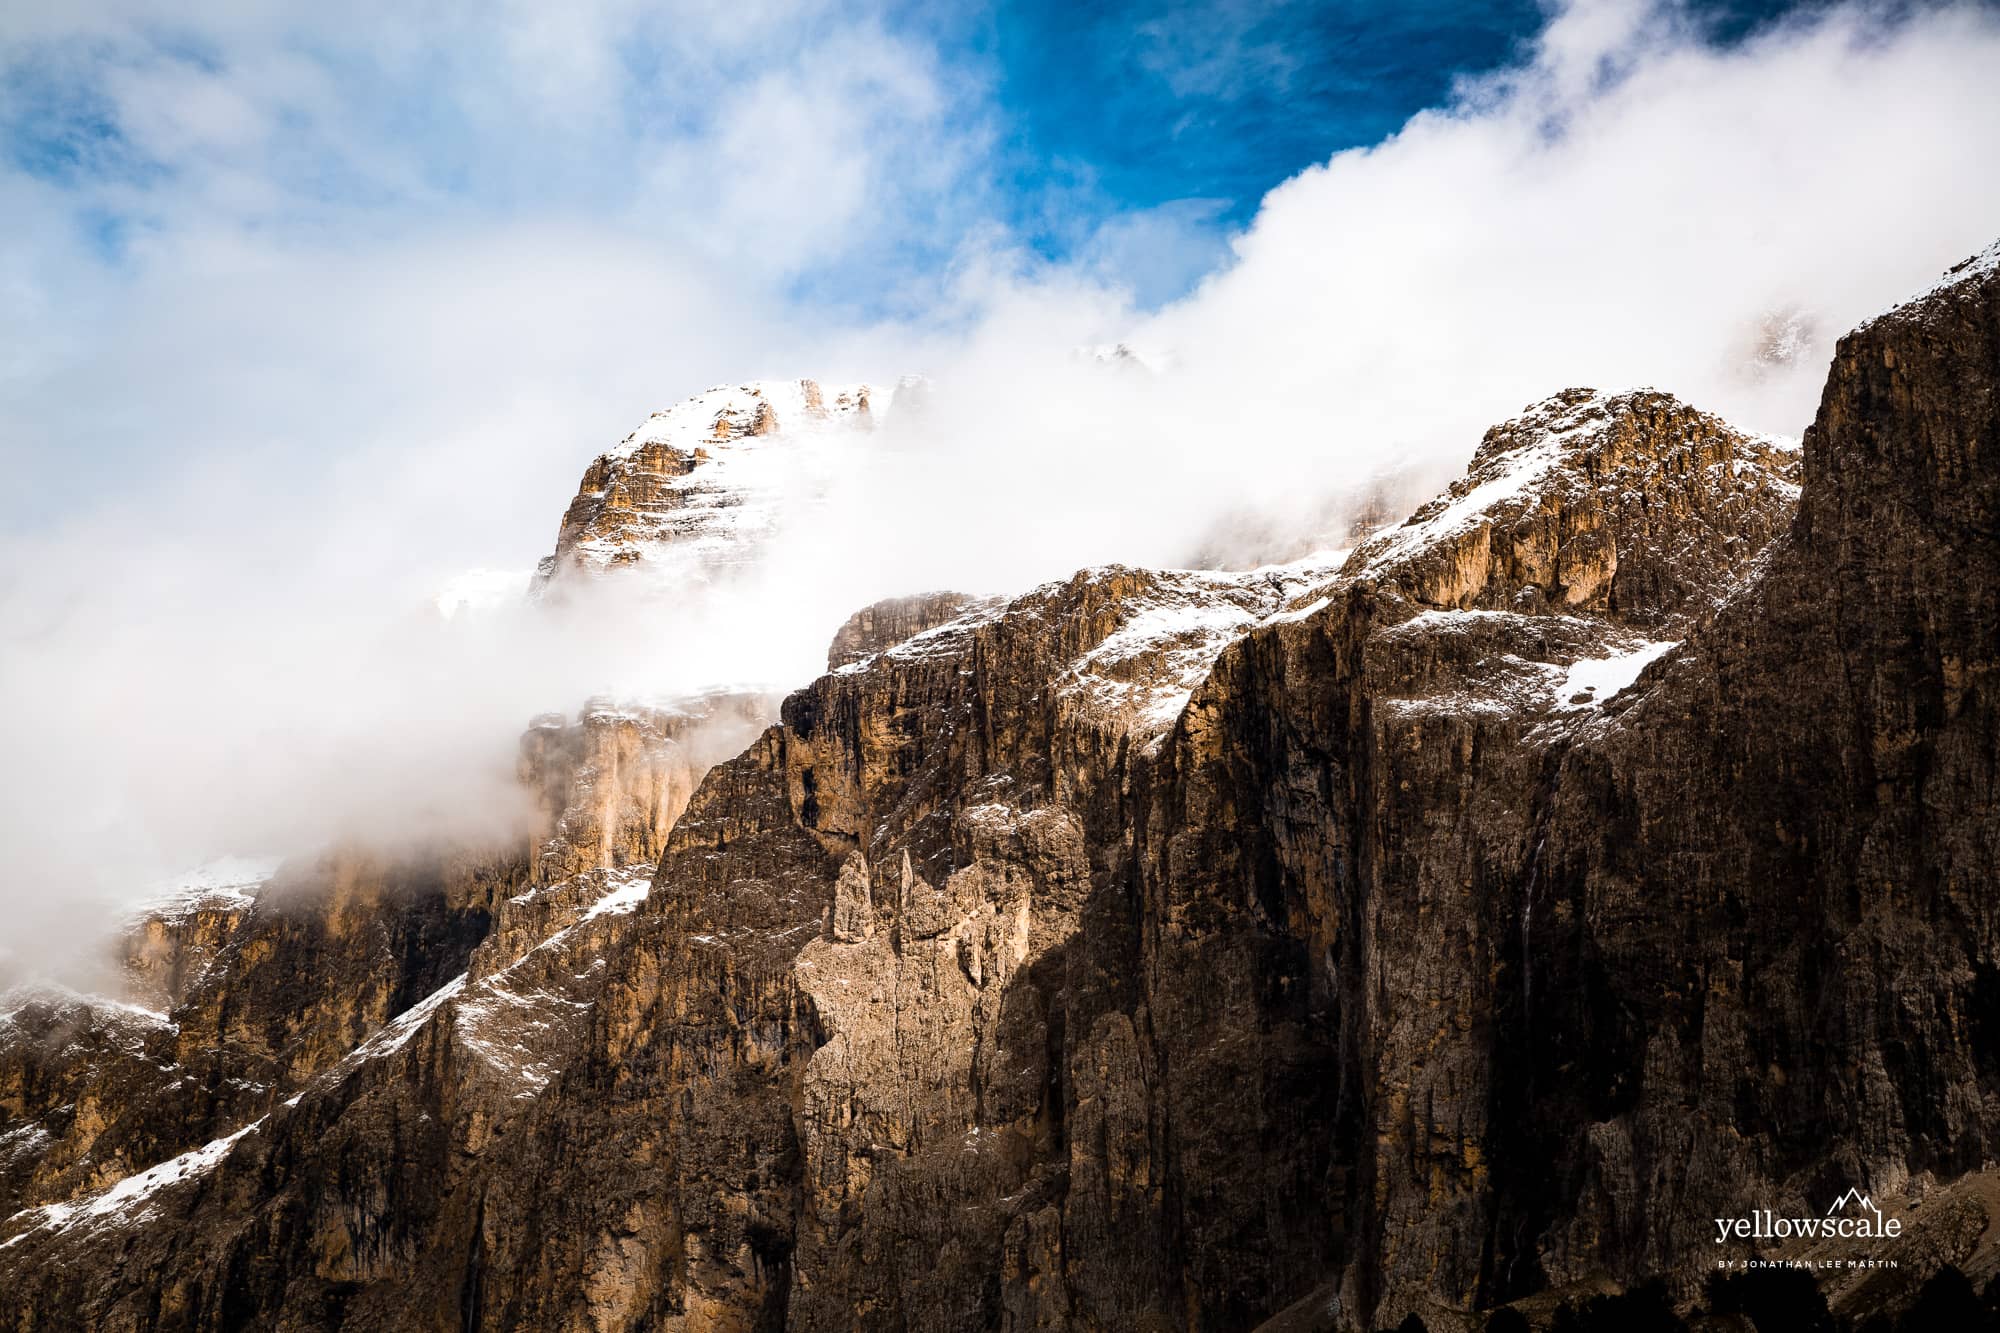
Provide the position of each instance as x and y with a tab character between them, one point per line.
611	784
1635	507
1606	850
1806	976
886	624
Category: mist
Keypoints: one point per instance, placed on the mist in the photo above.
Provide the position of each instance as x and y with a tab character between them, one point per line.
251	460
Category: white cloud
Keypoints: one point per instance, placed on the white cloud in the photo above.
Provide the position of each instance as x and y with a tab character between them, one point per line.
1557	229
810	160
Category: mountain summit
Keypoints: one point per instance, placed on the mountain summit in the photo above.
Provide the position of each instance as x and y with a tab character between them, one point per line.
701	484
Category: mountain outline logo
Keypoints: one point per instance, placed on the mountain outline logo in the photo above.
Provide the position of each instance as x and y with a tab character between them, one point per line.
1853	1195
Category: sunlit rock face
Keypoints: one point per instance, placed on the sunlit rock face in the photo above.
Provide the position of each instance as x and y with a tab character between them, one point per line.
1461	921
700	487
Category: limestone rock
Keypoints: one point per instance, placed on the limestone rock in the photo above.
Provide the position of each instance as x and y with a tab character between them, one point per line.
899	619
851	919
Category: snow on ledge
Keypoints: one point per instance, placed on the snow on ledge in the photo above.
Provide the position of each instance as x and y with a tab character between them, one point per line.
396	1033
122	1201
630	885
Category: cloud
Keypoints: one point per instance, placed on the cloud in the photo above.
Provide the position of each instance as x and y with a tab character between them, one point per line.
812	160
1629	206
1156	253
361	299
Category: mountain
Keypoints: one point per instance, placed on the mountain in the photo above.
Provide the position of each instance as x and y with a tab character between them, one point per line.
1476	919
700	485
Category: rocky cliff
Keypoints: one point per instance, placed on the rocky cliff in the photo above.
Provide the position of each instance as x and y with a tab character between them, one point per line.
1472	919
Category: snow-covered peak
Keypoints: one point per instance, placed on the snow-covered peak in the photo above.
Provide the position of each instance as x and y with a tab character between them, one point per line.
698	489
734	412
1982	265
1633	504
53	995
1572	443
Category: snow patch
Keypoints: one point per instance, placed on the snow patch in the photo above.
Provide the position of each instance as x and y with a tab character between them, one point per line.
493	1023
1141	676
502	1025
935	642
1602	677
630	885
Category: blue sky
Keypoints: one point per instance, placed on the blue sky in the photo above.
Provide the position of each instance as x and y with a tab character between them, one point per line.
1156	102
1160	102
